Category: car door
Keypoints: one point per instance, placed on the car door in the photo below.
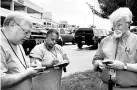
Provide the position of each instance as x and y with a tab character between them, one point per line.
64	35
69	37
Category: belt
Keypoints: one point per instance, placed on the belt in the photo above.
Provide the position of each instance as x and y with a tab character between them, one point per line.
119	86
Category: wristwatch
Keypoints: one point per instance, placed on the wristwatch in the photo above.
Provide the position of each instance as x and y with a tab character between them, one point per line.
125	66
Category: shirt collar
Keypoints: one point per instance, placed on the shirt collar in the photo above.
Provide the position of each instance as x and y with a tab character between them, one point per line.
124	36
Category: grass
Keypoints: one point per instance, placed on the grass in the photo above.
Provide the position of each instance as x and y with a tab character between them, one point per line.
88	80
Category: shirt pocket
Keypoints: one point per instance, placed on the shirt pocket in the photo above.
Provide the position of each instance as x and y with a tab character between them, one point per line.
130	50
131	54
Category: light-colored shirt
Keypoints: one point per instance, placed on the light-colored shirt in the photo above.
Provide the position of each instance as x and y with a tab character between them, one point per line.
10	64
51	80
126	52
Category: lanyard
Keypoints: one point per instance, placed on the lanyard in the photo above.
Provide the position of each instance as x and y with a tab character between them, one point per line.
25	66
54	53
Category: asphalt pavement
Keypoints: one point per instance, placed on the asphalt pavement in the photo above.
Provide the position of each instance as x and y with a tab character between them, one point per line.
80	59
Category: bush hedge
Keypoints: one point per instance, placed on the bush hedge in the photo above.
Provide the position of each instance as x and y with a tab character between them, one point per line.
87	80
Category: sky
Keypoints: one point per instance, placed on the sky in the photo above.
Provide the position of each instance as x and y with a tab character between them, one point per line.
76	12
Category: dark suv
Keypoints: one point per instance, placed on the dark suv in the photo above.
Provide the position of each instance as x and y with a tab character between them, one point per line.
86	36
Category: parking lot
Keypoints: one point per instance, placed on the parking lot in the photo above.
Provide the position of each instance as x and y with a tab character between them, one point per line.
80	59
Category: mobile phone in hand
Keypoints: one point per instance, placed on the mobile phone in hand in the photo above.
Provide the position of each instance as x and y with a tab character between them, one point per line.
40	68
107	62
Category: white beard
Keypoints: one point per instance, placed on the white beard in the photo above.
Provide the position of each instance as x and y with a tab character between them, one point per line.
117	33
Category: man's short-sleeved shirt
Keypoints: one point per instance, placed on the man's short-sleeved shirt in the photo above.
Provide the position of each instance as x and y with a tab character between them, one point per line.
10	64
126	52
126	49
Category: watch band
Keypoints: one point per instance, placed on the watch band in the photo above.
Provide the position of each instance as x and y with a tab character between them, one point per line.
125	66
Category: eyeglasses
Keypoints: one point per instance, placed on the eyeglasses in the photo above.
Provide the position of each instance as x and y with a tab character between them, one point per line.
27	33
120	24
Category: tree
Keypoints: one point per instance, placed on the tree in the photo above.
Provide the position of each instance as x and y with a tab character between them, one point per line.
108	6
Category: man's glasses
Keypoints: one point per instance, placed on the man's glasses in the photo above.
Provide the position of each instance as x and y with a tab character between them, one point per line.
27	33
120	24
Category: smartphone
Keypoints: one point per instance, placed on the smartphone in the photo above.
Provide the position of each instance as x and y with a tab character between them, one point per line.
107	62
40	68
63	64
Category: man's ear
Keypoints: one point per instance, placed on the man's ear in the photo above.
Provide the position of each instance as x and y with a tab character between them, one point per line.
129	23
11	24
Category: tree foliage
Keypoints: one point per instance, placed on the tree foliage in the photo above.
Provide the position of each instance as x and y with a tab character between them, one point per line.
108	6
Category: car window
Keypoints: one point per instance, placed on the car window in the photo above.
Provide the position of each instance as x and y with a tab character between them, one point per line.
62	31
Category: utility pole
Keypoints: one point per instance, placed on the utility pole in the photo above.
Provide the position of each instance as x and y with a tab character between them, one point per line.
92	7
93	13
127	3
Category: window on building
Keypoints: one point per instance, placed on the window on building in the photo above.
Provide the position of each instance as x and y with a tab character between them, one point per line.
2	20
64	26
45	23
48	23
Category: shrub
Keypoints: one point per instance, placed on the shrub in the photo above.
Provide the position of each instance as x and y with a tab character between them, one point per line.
88	80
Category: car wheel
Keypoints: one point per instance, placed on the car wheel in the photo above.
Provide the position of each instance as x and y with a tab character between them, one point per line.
60	42
63	43
73	42
80	45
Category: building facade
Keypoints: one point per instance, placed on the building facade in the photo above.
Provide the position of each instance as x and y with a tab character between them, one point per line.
40	18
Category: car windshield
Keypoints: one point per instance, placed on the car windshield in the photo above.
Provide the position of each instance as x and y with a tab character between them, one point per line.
62	31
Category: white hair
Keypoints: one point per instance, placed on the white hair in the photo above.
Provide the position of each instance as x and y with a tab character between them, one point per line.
17	16
120	13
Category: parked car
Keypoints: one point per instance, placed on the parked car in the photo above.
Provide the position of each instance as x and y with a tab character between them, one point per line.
66	36
87	36
134	30
36	37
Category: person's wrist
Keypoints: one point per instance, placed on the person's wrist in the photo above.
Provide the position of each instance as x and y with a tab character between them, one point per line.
125	66
30	72
27	74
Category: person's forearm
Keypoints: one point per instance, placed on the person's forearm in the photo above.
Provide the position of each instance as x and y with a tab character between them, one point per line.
132	67
10	80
